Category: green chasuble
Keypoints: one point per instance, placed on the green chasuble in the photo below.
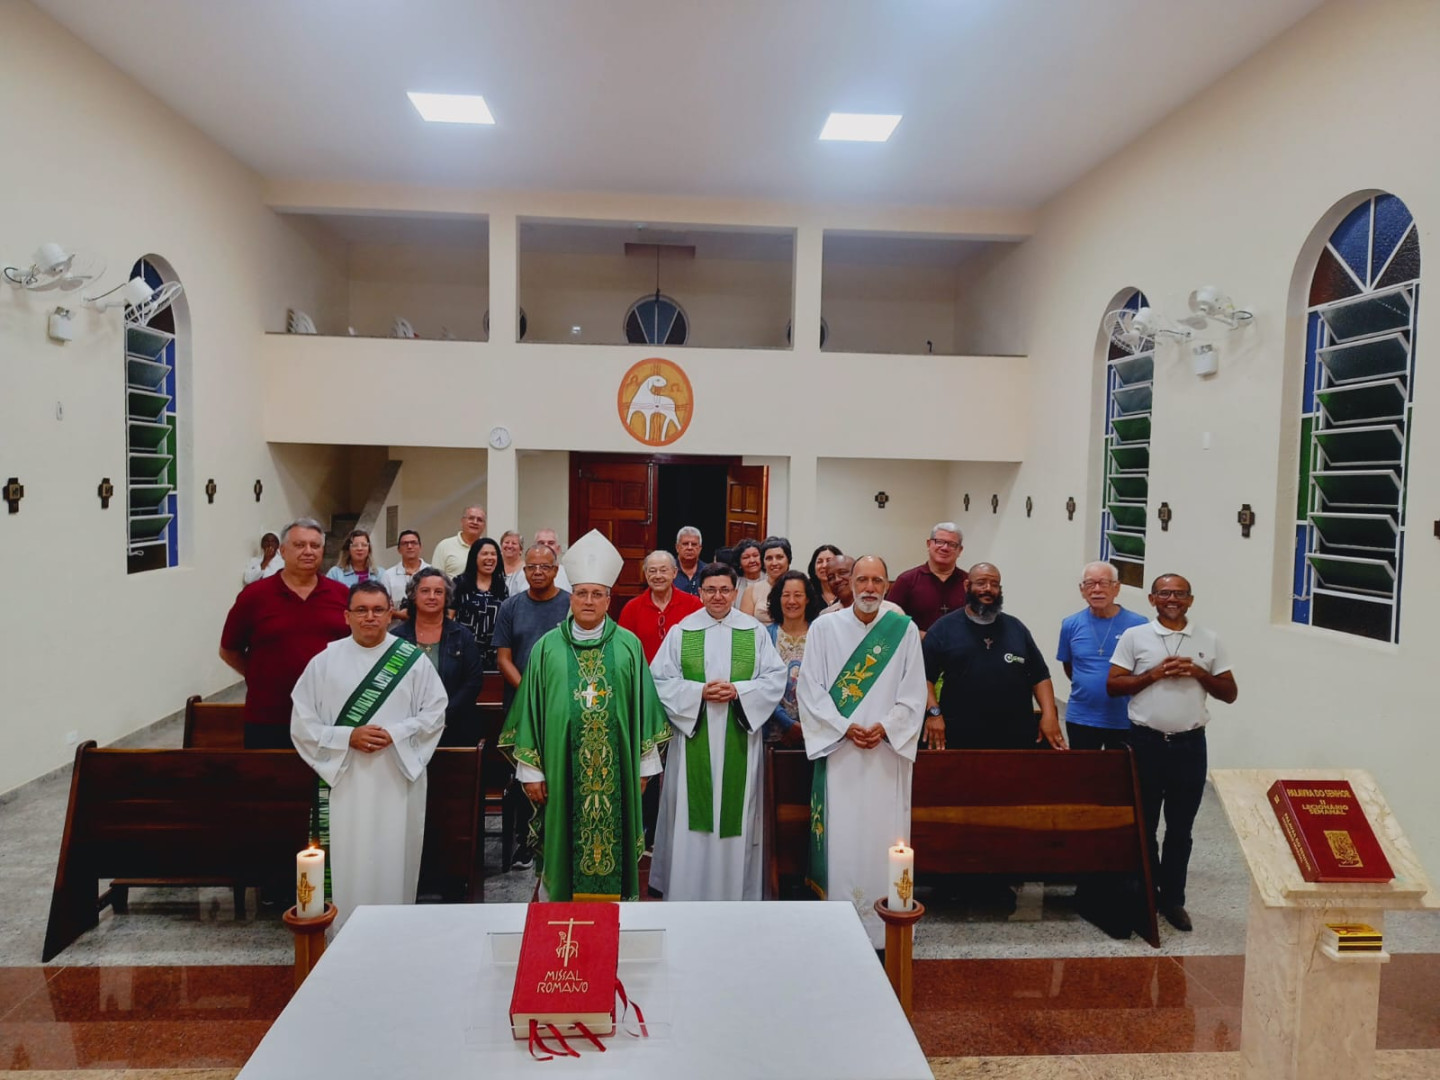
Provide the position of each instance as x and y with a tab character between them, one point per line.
584	715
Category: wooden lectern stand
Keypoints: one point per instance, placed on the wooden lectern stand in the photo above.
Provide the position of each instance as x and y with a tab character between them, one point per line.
1308	1015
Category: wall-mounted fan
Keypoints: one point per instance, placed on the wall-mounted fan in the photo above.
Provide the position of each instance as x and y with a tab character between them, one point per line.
53	267
141	301
1136	331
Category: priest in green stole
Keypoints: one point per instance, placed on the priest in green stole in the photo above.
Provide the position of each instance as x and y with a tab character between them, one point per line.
720	679
584	733
861	693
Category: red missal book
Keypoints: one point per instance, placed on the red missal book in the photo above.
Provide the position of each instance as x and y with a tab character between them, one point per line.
1328	832
569	959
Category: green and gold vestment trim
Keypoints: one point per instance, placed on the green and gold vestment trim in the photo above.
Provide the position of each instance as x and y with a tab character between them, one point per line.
699	778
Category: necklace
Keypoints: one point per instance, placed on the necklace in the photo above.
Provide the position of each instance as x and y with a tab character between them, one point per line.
1100	645
1179	636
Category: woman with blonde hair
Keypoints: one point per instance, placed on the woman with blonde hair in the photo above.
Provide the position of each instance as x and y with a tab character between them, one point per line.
356	562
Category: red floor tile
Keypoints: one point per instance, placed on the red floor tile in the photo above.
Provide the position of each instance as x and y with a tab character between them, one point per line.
19	983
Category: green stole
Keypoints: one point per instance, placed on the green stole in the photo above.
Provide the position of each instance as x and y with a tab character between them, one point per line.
372	692
699	780
848	690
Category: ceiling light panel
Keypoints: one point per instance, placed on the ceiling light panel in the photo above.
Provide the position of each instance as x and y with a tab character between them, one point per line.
859	127
451	108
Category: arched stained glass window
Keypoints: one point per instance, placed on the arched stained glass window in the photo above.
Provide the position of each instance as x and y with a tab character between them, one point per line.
1129	377
656	320
1355	418
152	441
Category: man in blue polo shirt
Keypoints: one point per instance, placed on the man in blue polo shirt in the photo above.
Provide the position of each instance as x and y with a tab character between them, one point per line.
1093	719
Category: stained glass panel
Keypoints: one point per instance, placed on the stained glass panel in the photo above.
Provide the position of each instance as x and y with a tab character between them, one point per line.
1331	281
1392	218
1351	240
1405	266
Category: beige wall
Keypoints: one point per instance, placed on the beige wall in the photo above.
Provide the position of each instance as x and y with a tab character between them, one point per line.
544	493
846	513
889	309
730	303
436	486
123	176
1227	191
434	287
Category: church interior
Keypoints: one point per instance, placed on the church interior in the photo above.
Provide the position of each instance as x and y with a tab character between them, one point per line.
1129	282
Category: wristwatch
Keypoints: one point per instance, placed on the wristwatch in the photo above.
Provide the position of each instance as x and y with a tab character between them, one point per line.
933	710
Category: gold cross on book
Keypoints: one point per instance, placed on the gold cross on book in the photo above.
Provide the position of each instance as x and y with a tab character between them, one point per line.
568	949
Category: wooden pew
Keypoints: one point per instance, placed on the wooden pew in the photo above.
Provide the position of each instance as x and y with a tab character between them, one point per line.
212	726
1014	812
228	816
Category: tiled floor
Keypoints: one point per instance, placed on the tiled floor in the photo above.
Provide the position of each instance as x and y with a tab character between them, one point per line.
966	1012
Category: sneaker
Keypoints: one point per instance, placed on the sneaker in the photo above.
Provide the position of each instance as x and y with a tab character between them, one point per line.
1177	917
524	860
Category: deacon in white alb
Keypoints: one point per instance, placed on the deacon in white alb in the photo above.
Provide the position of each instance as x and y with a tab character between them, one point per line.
368	713
719	678
861	693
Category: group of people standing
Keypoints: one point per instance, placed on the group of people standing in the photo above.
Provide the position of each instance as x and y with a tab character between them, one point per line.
713	660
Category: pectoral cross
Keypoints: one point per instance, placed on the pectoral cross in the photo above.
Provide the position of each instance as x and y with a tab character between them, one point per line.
988	643
944	609
567	950
589	694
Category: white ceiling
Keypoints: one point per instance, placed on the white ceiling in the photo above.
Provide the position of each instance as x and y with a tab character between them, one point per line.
1006	102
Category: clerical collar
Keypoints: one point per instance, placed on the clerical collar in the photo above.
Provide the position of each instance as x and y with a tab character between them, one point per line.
981	620
579	633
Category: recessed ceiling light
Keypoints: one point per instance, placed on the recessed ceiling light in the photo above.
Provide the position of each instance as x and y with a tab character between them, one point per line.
451	108
859	127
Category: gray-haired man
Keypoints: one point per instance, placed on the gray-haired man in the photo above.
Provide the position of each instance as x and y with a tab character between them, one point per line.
687	555
937	586
277	626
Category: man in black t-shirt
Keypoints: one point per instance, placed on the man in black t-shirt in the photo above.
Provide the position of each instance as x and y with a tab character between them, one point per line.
993	676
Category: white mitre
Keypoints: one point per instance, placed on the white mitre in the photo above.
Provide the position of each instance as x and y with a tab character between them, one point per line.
593	560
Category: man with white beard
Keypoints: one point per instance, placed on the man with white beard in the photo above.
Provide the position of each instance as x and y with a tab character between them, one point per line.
861	693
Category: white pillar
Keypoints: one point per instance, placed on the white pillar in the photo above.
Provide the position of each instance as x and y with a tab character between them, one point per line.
504	279
809	260
801	510
502	489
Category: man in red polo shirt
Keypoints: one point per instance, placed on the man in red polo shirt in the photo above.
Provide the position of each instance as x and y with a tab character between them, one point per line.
277	626
937	586
650	615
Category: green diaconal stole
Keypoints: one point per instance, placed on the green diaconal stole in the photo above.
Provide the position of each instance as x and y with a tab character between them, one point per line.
698	776
366	698
868	661
849	689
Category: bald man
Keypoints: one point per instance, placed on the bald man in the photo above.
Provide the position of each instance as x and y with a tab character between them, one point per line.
994	675
451	553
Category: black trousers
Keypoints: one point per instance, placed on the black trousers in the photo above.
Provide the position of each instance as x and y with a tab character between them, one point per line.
1172	780
1089	737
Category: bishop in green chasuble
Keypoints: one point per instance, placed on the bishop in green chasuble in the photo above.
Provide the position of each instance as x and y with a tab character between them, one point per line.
584	729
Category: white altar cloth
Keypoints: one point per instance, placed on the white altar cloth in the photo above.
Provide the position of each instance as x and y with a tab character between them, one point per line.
757	990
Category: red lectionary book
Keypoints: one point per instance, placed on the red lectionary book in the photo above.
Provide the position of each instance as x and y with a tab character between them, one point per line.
1327	831
569	958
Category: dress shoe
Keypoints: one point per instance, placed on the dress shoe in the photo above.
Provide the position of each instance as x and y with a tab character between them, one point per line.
1177	917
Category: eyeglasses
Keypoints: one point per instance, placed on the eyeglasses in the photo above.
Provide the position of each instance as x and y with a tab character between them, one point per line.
369	612
946	544
543	567
1171	594
721	590
1098	583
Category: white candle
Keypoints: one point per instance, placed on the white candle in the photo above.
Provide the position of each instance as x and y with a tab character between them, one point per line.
902	877
310	883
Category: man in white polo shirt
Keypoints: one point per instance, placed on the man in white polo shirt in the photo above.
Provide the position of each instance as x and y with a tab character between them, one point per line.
1169	669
